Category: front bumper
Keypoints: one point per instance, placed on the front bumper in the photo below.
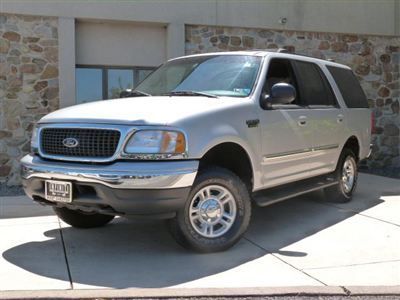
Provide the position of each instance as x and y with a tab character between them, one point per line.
121	188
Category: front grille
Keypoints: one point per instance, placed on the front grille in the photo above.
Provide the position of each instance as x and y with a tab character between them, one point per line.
96	143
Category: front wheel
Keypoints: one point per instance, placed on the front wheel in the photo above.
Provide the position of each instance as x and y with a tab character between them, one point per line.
346	174
216	213
80	219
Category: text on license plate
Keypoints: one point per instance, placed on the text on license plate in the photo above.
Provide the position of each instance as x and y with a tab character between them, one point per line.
58	191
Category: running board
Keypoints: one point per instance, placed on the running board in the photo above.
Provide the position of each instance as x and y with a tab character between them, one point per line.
290	190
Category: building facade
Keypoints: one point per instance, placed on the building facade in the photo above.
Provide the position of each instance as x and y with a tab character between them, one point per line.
57	54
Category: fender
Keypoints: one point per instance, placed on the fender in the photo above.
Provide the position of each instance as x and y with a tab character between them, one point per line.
226	133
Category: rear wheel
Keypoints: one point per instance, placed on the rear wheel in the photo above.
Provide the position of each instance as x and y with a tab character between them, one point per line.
80	219
346	174
216	213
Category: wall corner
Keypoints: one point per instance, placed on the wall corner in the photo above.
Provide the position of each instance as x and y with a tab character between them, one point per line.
66	35
175	40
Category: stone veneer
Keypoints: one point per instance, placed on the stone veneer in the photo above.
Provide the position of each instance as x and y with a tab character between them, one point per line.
374	59
28	84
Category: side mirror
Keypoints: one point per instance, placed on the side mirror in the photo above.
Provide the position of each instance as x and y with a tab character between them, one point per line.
281	93
125	93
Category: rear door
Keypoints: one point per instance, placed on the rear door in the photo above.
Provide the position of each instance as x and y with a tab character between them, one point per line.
325	118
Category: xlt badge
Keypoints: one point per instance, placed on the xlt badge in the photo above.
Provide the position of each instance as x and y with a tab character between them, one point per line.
252	123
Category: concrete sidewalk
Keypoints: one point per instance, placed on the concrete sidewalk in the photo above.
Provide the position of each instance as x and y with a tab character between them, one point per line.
301	242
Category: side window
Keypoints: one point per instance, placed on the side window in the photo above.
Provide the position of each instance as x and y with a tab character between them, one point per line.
281	70
315	89
349	87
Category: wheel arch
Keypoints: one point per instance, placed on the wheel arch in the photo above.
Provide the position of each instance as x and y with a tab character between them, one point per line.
353	143
232	156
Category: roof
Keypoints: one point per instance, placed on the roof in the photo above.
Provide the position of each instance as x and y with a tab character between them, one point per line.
272	52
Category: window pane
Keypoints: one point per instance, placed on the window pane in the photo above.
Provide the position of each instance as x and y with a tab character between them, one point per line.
89	85
222	75
313	86
143	74
349	87
281	71
119	80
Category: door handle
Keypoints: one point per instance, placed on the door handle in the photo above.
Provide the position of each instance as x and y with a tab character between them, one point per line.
302	121
340	118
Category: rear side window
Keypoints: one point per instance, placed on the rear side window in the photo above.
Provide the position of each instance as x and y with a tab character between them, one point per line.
315	89
349	87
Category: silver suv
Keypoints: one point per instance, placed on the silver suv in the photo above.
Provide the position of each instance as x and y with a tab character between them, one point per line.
201	139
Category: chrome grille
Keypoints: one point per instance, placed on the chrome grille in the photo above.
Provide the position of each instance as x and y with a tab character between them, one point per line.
96	143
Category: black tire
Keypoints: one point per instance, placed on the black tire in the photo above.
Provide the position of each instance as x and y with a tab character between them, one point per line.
182	228
339	193
79	219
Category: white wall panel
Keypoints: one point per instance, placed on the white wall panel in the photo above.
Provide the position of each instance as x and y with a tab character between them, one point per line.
120	44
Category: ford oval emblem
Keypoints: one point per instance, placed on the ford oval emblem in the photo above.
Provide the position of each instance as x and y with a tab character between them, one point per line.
70	142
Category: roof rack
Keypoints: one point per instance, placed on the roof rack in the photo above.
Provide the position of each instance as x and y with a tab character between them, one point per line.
279	50
283	50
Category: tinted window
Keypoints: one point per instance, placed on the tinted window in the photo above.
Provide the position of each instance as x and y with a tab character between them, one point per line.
119	80
281	71
349	87
143	74
89	85
105	82
315	89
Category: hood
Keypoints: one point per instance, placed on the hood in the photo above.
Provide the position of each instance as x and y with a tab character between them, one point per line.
139	110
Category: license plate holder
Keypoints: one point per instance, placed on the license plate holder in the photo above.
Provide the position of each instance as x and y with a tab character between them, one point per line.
58	191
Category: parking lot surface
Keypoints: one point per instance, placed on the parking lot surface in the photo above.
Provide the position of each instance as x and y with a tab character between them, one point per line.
304	241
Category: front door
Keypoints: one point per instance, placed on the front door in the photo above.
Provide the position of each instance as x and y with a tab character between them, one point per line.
286	138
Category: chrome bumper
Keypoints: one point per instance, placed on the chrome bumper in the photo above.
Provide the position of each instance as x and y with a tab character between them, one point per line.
122	175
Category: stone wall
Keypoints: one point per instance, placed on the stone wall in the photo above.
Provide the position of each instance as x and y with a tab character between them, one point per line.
28	84
374	59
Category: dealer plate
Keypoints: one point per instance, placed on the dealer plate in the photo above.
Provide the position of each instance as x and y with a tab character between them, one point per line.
58	191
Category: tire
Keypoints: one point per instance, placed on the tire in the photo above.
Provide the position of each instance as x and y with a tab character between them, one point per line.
216	213
79	219
347	174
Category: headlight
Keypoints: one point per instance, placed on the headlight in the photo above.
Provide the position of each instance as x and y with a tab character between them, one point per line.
34	140
156	142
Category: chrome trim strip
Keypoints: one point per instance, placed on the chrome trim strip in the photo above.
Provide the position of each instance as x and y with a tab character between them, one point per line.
122	175
126	132
326	147
301	151
288	153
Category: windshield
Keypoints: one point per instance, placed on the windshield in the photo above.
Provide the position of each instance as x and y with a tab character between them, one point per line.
218	75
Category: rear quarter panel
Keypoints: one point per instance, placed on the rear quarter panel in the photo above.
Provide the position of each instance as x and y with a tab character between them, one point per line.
358	121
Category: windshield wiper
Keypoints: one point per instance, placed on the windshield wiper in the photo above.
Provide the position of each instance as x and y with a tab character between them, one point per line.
132	93
189	93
